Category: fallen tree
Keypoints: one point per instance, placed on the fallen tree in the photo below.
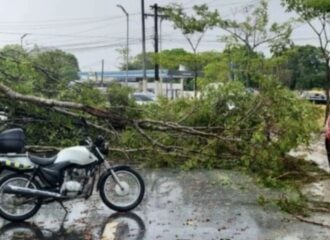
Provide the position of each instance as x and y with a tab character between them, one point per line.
226	126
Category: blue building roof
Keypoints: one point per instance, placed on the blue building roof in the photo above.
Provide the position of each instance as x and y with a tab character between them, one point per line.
163	73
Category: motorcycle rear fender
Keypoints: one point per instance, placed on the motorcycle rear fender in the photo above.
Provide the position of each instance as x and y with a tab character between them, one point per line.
15	166
108	172
16	162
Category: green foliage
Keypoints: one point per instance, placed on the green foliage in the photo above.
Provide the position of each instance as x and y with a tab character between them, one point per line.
119	95
45	74
236	63
317	17
284	122
323	5
197	23
40	73
173	58
241	60
202	19
300	67
42	126
255	131
296	204
308	9
83	93
16	69
136	63
55	70
119	99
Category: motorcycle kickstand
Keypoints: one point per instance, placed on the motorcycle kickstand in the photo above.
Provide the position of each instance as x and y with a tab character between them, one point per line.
65	208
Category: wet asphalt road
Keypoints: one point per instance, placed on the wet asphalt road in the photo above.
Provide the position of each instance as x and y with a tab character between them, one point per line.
194	205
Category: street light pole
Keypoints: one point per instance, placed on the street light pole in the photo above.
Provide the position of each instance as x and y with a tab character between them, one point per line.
144	81
22	37
127	39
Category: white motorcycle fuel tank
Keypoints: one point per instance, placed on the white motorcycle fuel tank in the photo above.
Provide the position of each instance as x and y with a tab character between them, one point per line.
79	155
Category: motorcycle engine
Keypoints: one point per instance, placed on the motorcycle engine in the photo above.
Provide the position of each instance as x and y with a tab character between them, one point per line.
73	182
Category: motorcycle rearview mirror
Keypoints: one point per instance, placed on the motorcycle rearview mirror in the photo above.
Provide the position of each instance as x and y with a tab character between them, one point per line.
84	132
84	122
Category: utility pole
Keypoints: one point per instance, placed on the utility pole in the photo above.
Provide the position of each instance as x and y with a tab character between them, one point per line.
102	72
127	39
155	8
160	32
144	81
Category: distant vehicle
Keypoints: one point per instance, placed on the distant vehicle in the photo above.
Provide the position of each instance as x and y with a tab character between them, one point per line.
314	96
144	97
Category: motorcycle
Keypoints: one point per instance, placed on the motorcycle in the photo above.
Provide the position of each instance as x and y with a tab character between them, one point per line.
70	174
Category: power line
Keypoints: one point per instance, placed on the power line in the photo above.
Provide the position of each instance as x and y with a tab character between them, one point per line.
93	45
67	21
81	44
54	35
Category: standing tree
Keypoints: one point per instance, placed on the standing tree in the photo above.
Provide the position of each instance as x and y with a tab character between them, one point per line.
16	68
255	31
233	64
56	69
317	16
199	23
299	67
173	58
136	62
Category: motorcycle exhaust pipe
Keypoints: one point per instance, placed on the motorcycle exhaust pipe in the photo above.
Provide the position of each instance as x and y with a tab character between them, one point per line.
30	192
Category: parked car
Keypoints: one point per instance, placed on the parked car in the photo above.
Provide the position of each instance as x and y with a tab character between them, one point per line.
314	96
144	97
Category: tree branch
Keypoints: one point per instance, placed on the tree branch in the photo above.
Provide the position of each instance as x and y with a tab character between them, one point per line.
311	222
98	127
61	104
184	129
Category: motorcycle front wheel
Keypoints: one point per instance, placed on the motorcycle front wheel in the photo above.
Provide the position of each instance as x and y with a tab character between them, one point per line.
126	195
16	207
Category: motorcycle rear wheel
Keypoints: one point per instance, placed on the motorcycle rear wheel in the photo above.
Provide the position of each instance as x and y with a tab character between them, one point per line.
125	198
23	230
15	207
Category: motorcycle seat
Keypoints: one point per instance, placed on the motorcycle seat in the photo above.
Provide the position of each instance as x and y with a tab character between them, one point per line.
42	161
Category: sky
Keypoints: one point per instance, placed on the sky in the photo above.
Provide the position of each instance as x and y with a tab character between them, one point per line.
93	30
